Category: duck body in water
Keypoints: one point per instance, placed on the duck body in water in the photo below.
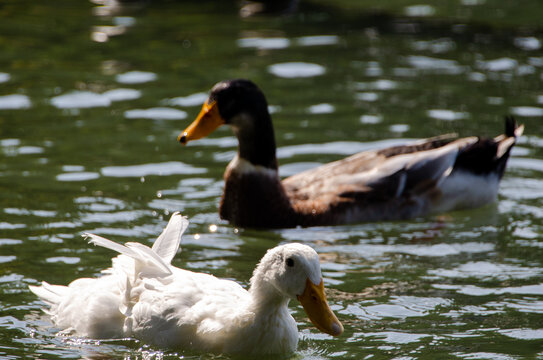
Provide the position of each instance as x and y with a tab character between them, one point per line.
143	296
429	176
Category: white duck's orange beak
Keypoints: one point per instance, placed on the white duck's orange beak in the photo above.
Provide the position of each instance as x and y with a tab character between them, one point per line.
207	120
317	309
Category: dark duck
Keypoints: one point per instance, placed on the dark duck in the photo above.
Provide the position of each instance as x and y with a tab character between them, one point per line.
429	176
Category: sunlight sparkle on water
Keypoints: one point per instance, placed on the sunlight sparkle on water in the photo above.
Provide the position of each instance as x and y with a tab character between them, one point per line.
296	70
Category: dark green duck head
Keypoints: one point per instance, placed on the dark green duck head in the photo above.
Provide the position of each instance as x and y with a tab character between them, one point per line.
241	105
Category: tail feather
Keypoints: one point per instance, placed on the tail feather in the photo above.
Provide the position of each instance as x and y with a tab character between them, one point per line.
512	129
504	146
51	294
512	132
489	155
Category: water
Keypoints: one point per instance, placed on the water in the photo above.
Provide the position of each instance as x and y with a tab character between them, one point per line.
92	99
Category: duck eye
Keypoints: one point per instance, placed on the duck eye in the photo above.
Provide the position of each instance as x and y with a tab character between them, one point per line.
290	262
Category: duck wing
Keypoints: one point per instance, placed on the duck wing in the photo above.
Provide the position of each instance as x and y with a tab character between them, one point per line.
189	310
162	252
102	307
167	244
380	174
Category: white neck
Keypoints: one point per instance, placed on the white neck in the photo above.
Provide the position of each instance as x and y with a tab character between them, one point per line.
242	166
274	327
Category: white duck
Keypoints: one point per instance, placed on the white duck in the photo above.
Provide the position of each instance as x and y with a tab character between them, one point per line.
145	297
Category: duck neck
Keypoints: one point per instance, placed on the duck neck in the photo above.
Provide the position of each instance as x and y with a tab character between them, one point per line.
257	140
268	304
254	196
273	329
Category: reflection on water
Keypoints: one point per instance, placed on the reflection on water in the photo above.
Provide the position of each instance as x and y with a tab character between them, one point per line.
157	113
14	101
135	77
80	99
191	100
296	70
163	169
79	154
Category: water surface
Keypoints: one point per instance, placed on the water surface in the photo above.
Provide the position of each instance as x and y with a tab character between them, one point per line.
92	98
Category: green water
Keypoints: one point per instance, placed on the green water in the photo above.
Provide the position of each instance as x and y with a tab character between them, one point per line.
76	157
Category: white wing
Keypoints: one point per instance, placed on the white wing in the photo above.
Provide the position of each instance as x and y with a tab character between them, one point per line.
167	243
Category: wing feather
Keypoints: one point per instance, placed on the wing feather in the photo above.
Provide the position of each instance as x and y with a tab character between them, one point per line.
167	244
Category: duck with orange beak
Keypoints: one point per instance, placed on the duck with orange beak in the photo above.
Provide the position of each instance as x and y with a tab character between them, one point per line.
420	178
145	297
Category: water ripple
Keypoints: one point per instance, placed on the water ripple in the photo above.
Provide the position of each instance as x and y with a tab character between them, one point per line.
162	169
223	142
367	96
122	94
4	77
26	212
317	40
523	334
63	259
9	226
99	203
156	113
15	101
399	128
447	115
527	163
6	259
501	64
295	168
526	111
391	337
10	147
10	242
436	250
419	10
399	307
433	65
135	77
484	356
371	119
263	43
474	290
191	100
321	109
487	271
437	46
296	70
122	217
381	84
522	188
79	100
78	176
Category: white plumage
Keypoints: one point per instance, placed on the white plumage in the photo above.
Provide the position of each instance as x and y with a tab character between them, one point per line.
145	297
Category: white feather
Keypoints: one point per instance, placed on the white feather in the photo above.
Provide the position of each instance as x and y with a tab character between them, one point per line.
108	244
148	258
167	243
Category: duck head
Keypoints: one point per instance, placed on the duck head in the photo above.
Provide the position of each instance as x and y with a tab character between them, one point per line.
293	271
241	105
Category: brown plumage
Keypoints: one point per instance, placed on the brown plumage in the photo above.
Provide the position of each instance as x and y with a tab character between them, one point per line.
433	175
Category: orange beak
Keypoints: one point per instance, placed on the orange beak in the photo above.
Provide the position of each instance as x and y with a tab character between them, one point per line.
317	309
207	120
